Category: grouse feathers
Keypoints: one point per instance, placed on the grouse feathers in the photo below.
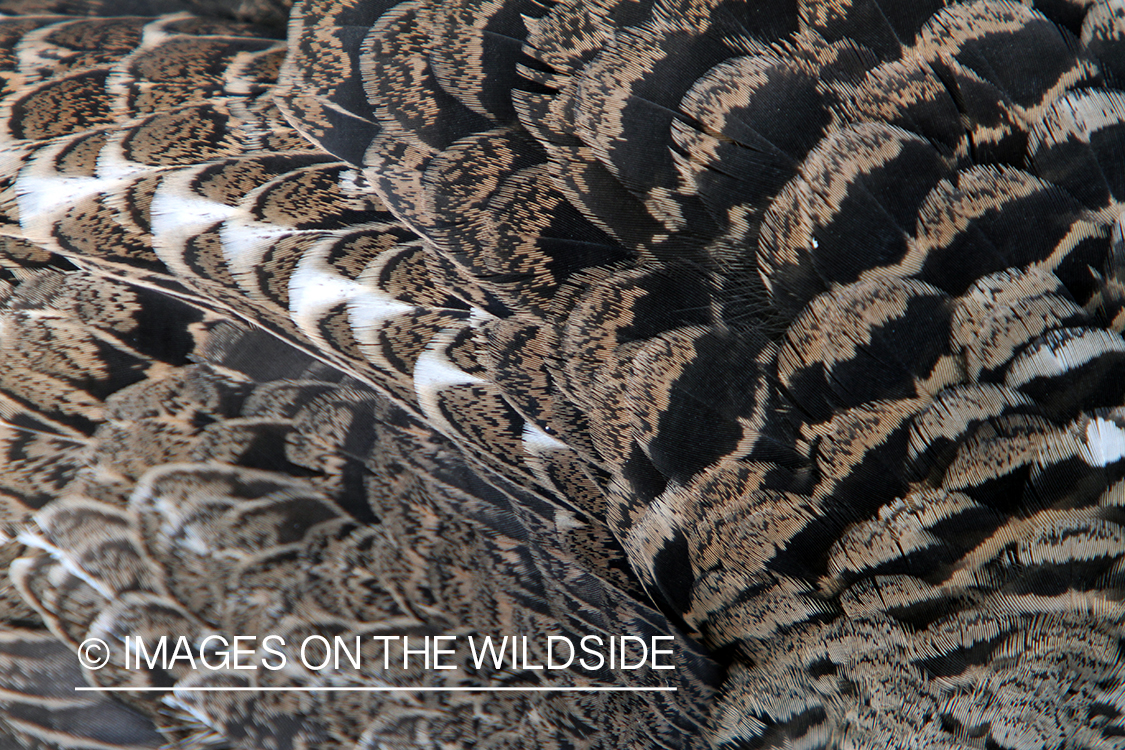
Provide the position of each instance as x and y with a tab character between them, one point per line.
789	333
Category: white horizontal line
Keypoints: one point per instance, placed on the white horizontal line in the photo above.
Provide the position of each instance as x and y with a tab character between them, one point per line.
380	689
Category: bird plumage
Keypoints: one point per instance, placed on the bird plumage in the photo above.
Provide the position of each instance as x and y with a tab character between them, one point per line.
791	331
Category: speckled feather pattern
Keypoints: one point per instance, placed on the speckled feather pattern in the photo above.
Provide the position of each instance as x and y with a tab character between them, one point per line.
791	331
